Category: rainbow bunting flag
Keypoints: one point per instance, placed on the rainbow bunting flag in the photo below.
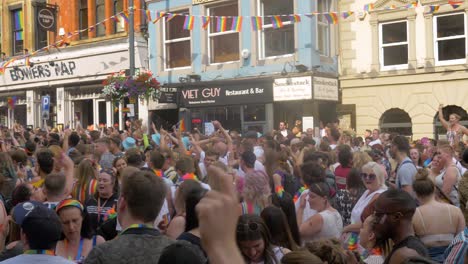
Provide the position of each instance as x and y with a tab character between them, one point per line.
115	19
276	22
311	15
221	25
347	14
91	28
412	5
188	23
171	16
236	24
257	23
124	15
368	7
455	4
11	102
205	22
295	18
148	15
392	7
332	17
159	15
433	9
182	125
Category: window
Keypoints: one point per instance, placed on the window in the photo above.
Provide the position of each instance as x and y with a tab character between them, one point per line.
177	52
276	42
41	34
17	31
323	28
118	7
100	16
450	39
83	19
396	120
223	46
394	45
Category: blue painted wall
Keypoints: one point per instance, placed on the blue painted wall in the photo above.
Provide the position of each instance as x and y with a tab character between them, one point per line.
305	34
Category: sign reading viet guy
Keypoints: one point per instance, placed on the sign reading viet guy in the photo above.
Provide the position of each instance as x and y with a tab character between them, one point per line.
46	18
296	88
325	89
42	71
227	95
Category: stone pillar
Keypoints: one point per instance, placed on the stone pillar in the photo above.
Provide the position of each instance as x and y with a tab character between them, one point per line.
428	20
375	44
91	17
30	109
412	42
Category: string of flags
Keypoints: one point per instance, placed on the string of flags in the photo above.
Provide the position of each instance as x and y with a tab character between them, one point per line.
222	23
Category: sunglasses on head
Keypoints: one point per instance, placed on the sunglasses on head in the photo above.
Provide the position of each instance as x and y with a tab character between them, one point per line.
370	176
252	226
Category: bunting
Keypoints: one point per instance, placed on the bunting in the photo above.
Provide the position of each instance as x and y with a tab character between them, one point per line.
159	15
433	9
369	7
124	16
171	16
455	4
188	23
257	23
148	15
205	22
221	25
115	19
276	22
347	14
332	18
27	62
237	24
295	18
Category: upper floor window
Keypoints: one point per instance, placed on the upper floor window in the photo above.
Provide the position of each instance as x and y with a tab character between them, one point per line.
323	28
280	41
177	52
17	31
393	45
450	39
223	45
100	16
119	7
83	19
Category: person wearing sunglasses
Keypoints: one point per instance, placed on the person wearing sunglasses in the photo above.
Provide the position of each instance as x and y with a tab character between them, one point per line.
373	177
254	241
434	222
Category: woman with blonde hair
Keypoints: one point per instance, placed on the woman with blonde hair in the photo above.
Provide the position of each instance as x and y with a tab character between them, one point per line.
455	130
360	158
256	193
448	180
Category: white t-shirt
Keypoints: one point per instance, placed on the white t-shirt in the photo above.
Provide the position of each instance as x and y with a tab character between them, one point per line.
377	141
37	259
308	212
258	166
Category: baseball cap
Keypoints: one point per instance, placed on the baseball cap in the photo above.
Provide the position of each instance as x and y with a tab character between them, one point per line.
31	209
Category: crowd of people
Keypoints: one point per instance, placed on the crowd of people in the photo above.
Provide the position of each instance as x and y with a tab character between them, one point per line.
148	195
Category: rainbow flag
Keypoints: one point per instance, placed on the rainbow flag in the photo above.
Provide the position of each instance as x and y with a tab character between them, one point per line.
295	18
433	9
148	15
237	24
368	7
19	24
124	15
311	15
276	22
455	4
257	23
171	16
412	5
11	102
188	23
347	14
159	15
221	25
115	19
182	125
392	7
205	22
332	17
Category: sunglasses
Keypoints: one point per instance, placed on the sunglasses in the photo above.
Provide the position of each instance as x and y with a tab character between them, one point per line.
252	226
370	176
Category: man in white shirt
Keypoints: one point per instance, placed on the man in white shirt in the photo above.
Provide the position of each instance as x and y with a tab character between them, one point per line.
375	138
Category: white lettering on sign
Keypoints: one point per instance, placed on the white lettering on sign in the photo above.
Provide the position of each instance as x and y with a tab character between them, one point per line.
288	89
325	89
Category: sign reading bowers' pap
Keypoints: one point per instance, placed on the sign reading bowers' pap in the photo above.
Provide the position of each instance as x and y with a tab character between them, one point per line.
325	89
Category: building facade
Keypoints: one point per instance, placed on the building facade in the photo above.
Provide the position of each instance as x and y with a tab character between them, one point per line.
91	46
247	79
399	63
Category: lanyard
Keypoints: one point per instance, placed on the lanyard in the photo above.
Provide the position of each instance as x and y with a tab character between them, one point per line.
80	249
99	208
40	252
137	227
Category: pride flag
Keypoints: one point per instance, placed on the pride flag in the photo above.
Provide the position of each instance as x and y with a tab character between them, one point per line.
347	14
257	23
433	9
188	23
171	16
124	15
159	15
332	17
455	4
148	15
19	24
236	24
115	19
182	125
221	25
295	18
276	22
368	7
205	22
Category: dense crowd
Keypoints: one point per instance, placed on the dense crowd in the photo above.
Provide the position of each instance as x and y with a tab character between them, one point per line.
148	195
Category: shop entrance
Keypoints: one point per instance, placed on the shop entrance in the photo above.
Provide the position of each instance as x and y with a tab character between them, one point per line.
164	118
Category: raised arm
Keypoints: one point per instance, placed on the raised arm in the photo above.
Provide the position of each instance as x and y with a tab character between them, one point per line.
441	117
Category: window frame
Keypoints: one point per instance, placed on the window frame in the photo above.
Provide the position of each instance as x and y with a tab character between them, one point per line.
84	34
165	42
261	35
115	11
14	31
326	25
215	34
382	46
436	40
102	26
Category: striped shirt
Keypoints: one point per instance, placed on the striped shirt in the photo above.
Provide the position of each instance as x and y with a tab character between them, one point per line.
456	251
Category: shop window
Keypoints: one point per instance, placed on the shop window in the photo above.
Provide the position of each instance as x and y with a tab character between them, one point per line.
100	16
83	19
397	121
254	113
323	28
450	39
17	31
394	45
119	7
276	42
177	51
223	46
439	130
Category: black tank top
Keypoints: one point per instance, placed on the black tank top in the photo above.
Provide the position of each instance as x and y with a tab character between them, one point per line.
411	242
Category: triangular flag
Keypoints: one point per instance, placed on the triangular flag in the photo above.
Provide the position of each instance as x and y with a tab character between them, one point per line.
124	15
236	24
115	19
311	15
433	9
182	125
171	16
295	18
276	22
368	7
257	23
347	14
332	17
205	22
159	15
27	62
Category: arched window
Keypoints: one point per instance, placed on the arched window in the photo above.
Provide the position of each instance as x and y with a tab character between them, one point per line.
439	130
396	120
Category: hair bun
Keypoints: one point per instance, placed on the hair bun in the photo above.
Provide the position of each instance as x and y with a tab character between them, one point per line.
422	175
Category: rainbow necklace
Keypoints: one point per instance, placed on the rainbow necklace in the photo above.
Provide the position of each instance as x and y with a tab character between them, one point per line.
137	226
299	192
189	176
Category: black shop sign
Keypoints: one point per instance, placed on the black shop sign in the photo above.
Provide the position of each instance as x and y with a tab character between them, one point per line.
168	95
46	18
248	93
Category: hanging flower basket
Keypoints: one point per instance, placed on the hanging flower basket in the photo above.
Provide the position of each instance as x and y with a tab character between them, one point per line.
143	85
